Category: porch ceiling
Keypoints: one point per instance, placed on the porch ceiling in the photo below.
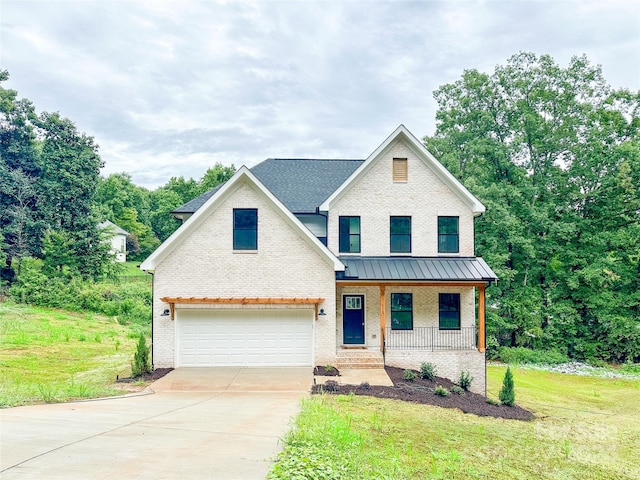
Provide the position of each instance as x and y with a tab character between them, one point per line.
416	269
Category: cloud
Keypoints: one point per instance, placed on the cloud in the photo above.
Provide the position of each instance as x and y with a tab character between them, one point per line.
169	88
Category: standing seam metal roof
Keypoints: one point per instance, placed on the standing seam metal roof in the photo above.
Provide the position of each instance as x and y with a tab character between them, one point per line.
416	268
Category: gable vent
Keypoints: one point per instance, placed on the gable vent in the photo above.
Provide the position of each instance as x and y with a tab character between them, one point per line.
400	170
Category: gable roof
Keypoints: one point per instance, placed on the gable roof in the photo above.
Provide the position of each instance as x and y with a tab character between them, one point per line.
243	174
403	134
112	227
300	184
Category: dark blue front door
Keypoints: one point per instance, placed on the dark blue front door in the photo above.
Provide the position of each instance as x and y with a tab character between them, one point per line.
353	319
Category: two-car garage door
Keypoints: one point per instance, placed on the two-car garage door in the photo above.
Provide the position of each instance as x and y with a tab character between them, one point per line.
244	337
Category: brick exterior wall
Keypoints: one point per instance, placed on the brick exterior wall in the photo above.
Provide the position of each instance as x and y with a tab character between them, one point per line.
448	364
205	265
424	197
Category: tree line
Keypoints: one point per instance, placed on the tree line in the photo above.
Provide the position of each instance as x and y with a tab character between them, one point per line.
554	154
52	196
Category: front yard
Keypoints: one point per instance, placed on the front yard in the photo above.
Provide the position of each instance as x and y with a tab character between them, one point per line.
49	355
586	428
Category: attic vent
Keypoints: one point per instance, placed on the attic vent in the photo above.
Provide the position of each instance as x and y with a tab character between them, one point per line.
400	170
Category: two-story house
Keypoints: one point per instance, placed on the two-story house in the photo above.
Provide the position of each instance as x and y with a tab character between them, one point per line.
353	263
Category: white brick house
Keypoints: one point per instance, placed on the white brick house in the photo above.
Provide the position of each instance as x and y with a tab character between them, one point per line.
315	262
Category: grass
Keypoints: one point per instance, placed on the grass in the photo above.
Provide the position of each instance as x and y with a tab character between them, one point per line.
587	428
49	355
131	269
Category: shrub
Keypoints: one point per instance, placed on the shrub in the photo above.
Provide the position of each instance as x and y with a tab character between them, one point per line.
492	401
507	393
427	371
520	355
465	379
441	391
330	386
457	390
141	364
409	375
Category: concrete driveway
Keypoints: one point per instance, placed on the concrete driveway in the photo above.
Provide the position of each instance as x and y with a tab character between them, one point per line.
213	423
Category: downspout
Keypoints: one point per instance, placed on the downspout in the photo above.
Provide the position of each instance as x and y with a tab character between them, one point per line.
153	292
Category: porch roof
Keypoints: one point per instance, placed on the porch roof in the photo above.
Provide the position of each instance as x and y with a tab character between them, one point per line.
423	269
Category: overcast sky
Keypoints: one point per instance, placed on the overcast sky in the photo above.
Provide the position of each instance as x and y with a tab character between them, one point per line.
169	88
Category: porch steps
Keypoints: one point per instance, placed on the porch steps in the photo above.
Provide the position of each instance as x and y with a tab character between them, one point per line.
353	358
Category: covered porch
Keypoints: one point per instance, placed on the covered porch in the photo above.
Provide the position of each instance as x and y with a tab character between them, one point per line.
410	304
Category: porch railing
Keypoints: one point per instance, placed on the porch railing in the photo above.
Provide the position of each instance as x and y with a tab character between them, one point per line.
431	338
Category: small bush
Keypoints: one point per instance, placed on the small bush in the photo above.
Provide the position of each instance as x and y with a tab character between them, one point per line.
493	401
465	379
427	371
457	390
141	363
633	368
507	394
410	375
364	386
328	367
330	386
441	391
521	355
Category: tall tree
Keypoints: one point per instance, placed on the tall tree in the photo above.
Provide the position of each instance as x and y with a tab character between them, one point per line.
70	168
19	170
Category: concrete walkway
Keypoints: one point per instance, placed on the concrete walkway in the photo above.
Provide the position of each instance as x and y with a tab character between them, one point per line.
357	376
196	423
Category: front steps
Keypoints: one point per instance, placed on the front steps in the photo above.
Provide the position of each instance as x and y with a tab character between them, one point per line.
359	358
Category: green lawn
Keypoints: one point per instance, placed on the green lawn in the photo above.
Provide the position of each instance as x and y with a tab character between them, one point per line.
52	355
587	428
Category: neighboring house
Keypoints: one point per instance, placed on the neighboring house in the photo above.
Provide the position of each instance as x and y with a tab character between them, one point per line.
315	262
118	239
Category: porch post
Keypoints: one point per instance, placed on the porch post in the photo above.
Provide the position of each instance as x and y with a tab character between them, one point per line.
481	323
382	318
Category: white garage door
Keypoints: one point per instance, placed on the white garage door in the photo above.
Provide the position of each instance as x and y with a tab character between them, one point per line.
244	337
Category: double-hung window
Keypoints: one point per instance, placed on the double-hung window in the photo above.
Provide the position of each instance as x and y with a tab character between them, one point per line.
448	237
400	241
401	311
449	311
349	234
245	228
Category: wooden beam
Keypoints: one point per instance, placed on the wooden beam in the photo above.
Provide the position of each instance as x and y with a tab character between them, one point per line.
481	320
383	321
243	300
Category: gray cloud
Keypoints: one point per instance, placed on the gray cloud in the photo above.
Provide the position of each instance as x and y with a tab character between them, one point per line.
169	88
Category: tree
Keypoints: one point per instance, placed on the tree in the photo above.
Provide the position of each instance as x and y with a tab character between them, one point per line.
553	153
19	171
507	393
69	172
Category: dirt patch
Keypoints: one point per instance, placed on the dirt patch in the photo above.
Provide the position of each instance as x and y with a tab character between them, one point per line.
421	391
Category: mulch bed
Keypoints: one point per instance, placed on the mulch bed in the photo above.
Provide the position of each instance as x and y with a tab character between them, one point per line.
322	371
157	374
421	391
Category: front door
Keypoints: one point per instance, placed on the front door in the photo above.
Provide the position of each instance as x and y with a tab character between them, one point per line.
353	319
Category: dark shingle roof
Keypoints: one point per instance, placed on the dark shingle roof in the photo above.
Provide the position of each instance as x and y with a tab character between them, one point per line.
416	268
301	184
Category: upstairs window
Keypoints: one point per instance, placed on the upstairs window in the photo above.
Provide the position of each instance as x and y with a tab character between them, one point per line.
245	229
448	238
449	311
401	311
349	234
400	241
400	170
